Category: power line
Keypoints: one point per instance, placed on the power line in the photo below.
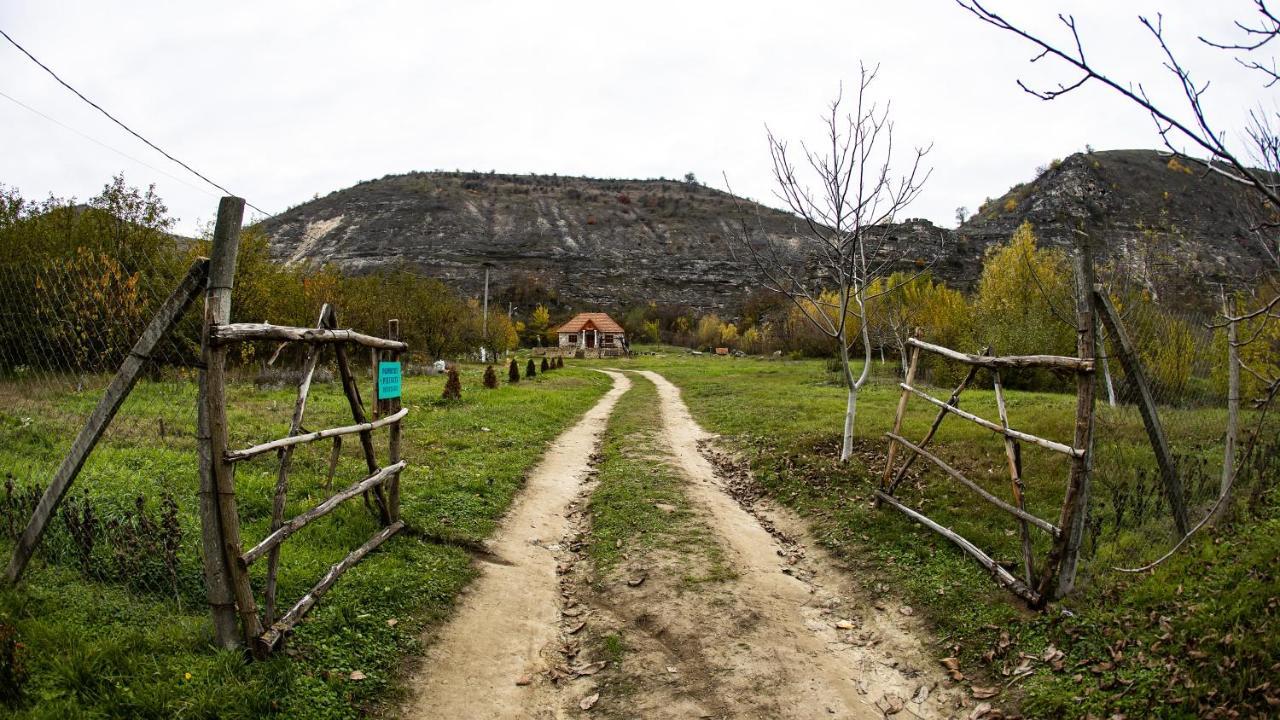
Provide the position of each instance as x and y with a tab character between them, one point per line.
96	141
113	119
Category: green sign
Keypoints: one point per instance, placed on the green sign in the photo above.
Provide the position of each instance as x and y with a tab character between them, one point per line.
388	380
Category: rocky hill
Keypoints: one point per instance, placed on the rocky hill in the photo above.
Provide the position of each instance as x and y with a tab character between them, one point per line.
616	242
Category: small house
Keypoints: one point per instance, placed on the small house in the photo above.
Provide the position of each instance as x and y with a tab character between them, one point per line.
593	334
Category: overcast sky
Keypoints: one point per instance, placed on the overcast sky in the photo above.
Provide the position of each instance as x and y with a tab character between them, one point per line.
279	101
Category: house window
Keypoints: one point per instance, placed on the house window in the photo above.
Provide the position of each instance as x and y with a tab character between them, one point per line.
608	339
573	339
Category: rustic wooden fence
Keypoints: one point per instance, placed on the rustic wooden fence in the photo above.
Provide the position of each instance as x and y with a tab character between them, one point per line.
1057	571
226	561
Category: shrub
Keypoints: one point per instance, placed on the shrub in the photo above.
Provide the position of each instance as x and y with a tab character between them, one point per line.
559	363
513	372
530	370
490	378
545	366
452	386
13	672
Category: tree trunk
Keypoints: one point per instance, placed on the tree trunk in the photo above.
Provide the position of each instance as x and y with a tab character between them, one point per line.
851	404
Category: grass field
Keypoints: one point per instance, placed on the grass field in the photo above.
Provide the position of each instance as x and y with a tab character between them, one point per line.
1198	633
135	641
118	633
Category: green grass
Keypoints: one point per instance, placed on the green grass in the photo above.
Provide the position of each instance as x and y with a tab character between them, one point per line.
635	479
1161	633
123	645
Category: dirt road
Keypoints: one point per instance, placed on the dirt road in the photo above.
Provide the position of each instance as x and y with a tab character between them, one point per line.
509	616
786	634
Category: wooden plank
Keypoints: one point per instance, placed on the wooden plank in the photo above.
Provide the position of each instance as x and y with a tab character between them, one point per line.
168	315
1025	437
1062	362
953	401
286	443
250	332
282	473
1001	575
1013	454
1137	377
272	636
329	505
897	417
1018	512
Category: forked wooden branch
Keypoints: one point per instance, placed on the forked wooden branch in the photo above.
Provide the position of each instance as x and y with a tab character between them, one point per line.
1001	575
317	512
249	332
1047	444
287	442
1064	362
942	465
271	637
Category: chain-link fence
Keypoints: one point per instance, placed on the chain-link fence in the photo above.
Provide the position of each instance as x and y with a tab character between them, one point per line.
1186	359
76	292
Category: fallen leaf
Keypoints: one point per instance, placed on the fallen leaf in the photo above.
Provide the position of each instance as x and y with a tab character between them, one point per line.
844	625
524	680
590	669
589	701
392	622
982	693
890	704
922	694
671	668
980	711
636	581
574	630
572	612
907	610
357	675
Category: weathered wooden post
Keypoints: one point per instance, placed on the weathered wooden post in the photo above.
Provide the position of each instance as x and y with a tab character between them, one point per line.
225	584
1137	378
1076	503
389	404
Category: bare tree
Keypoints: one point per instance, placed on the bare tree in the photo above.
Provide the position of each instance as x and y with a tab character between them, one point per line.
1249	155
844	192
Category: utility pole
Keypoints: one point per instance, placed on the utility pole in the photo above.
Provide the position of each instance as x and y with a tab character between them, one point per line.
484	319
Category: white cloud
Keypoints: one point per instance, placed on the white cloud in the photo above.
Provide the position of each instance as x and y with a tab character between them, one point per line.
279	101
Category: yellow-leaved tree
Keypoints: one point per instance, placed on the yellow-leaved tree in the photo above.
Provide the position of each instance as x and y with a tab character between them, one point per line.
1024	304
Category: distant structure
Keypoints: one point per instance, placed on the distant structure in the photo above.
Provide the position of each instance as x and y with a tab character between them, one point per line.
592	334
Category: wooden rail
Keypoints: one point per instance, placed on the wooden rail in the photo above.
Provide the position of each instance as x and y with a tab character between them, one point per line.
268	640
1062	362
1001	575
292	440
249	332
317	512
1008	432
954	401
942	465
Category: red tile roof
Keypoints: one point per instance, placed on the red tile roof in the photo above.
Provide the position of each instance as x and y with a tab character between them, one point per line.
601	322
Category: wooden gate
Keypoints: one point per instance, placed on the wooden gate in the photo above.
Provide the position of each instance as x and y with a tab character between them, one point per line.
226	561
1057	571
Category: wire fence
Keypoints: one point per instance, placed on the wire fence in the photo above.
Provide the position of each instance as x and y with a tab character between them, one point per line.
68	318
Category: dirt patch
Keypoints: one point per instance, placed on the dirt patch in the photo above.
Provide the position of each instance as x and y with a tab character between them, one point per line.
492	659
793	636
